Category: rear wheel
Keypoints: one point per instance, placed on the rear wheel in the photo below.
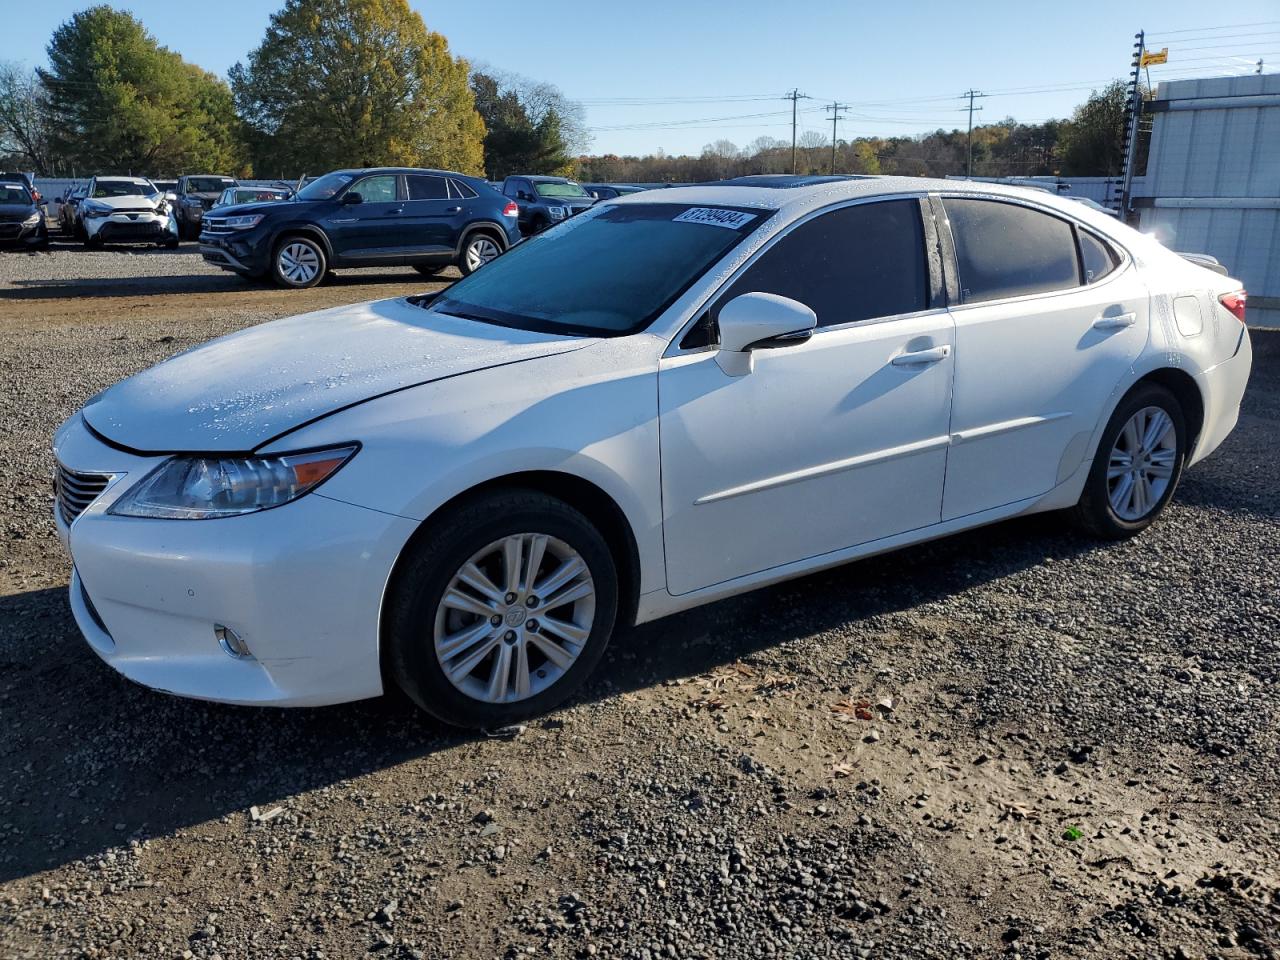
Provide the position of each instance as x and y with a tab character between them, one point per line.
479	249
298	262
1137	466
502	610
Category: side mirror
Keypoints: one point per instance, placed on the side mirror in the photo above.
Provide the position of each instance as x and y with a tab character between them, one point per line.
758	321
352	197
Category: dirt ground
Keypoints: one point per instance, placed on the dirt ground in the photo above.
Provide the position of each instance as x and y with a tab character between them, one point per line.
1015	742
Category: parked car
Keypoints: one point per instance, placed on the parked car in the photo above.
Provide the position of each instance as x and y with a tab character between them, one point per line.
608	191
427	219
69	212
1095	205
196	194
232	196
21	219
166	186
125	210
545	201
672	399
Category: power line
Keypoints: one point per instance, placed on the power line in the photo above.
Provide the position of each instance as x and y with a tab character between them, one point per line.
1227	26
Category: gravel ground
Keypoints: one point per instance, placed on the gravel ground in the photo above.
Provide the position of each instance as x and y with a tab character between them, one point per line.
1013	743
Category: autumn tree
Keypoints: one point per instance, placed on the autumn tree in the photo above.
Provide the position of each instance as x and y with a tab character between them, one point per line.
339	83
118	102
1092	141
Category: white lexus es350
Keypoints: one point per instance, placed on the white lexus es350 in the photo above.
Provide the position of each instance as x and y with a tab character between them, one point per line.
676	396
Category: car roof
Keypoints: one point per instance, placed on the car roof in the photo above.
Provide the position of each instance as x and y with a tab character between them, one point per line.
360	171
121	176
794	196
543	178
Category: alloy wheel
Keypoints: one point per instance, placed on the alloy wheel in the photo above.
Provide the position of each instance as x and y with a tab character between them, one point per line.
1141	464
299	262
480	251
514	618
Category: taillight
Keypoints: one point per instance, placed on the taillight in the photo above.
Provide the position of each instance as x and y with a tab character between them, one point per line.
1235	302
511	210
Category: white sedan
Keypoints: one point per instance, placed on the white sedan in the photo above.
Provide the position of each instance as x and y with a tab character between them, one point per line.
677	396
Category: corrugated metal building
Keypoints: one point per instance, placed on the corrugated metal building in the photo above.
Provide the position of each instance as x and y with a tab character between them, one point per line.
1212	183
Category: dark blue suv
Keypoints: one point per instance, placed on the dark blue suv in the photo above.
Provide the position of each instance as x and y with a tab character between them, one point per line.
427	219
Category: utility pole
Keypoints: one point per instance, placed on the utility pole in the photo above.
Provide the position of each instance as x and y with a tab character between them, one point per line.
1259	70
1135	108
834	109
971	94
794	96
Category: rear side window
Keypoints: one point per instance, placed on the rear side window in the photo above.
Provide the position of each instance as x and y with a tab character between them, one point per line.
1098	258
460	190
1007	250
428	188
851	264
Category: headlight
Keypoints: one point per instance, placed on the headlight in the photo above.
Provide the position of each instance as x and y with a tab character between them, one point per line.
204	488
32	220
557	213
161	207
92	208
246	222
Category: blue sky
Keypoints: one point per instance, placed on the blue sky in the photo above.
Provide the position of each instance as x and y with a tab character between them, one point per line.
678	75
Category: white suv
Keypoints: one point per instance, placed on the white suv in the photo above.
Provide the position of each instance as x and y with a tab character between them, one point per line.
126	210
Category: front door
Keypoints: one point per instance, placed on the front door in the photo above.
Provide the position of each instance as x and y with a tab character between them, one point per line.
825	444
1050	318
372	229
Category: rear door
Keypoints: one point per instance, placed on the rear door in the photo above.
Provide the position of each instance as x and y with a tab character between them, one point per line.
431	214
372	230
1042	340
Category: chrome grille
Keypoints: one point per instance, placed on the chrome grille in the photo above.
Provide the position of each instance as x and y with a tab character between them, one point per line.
75	491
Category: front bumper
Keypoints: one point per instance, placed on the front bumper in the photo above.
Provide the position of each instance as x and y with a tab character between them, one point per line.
16	233
244	251
302	585
131	227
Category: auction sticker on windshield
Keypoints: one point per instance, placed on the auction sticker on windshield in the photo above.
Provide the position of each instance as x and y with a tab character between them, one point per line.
716	217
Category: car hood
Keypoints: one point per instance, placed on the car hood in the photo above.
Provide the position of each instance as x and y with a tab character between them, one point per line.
238	392
261	206
131	202
10	209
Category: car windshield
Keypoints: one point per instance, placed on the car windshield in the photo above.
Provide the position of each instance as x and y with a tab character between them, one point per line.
326	188
121	188
604	275
569	189
208	184
14	193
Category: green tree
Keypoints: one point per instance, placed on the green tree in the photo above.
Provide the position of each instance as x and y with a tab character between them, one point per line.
530	126
340	83
119	102
1091	144
24	119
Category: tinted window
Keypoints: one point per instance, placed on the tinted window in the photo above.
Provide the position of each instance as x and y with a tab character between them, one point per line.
460	190
1007	250
379	189
851	264
511	188
604	273
14	193
428	188
1099	259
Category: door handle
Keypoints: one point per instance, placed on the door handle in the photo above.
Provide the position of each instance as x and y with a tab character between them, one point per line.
453	210
395	210
1115	323
917	357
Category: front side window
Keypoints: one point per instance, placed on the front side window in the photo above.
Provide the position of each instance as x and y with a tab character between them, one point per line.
379	189
606	274
1098	258
326	188
427	188
562	190
854	263
1008	250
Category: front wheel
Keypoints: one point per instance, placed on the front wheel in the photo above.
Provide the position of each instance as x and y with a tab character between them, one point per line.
299	262
501	610
1137	466
479	250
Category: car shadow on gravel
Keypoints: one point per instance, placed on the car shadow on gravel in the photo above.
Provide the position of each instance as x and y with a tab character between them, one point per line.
90	761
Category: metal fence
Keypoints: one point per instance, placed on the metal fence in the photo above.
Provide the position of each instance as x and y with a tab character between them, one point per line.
1213	179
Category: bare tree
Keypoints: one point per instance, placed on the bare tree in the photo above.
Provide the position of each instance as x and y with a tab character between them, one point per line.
24	117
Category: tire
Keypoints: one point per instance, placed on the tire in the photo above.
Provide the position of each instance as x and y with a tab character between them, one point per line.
1108	508
298	262
538	224
430	269
171	244
478	249
94	242
471	538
